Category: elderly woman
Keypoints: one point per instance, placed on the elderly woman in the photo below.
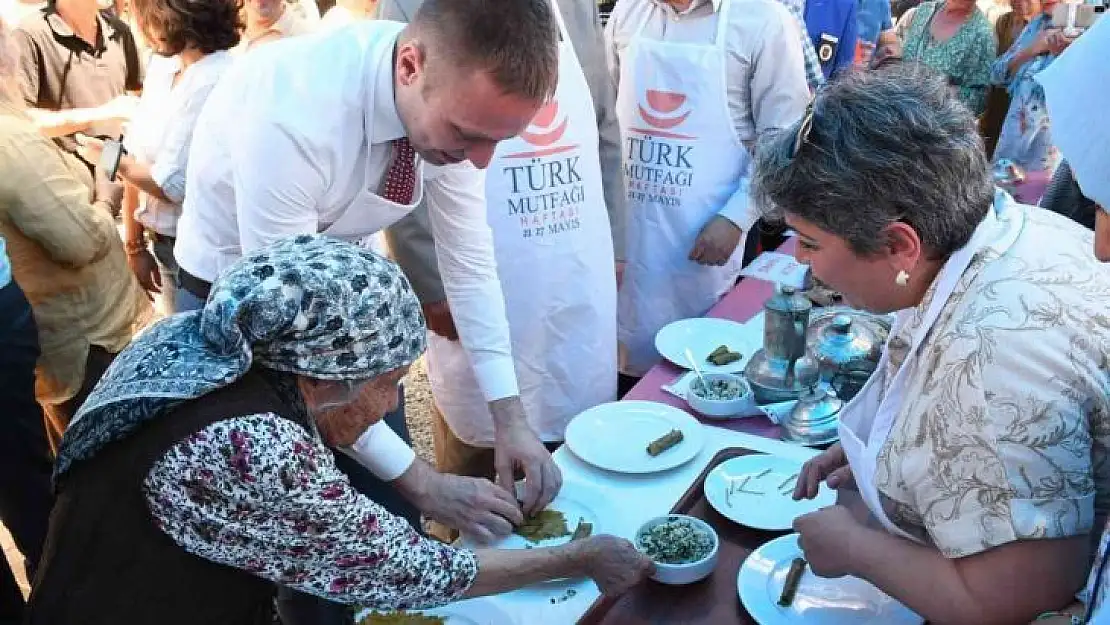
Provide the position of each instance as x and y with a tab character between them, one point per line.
65	254
1026	136
196	477
976	452
954	38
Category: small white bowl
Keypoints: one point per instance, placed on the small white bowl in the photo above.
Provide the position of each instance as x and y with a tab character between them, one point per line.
679	574
741	404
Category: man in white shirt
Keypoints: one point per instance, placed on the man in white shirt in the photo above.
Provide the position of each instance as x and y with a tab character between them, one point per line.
554	235
698	82
318	134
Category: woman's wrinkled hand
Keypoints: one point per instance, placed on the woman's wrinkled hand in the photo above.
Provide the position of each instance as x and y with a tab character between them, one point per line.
614	563
830	467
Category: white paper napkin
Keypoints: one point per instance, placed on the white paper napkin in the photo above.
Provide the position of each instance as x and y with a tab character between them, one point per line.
775	412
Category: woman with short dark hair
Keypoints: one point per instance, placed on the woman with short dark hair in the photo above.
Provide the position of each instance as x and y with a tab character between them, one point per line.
191	39
973	465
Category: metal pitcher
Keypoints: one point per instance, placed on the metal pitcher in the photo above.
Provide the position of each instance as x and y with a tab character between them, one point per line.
786	318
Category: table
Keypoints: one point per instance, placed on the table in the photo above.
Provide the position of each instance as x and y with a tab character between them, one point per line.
637	498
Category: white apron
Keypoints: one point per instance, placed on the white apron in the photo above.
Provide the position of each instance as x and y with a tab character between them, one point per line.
683	161
866	421
368	214
546	207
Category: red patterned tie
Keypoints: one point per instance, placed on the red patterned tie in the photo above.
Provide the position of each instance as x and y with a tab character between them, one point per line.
400	180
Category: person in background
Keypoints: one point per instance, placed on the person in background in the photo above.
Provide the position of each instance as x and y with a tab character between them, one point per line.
1006	31
833	27
815	76
994	9
308	10
346	11
555	259
954	38
192	42
973	467
15	11
67	257
270	20
1085	139
199	474
698	82
79	64
875	33
1026	134
26	495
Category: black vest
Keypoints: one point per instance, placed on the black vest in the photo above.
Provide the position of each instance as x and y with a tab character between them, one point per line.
106	563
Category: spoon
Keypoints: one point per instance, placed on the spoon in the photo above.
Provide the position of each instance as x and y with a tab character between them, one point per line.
697	369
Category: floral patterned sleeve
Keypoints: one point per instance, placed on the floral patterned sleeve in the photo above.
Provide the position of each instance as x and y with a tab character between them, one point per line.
258	493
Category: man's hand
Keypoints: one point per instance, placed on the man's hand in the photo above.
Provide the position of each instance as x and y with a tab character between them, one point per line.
716	243
438	317
613	563
476	507
831	467
827	538
146	271
515	446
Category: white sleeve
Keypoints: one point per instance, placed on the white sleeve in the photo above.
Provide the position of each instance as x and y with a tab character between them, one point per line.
464	247
380	450
278	184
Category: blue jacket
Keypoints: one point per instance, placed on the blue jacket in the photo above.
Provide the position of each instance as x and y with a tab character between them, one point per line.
833	29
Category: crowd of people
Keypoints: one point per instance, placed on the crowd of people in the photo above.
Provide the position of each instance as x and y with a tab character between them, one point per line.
227	229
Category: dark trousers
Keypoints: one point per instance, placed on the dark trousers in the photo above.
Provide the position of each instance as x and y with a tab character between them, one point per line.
25	462
296	608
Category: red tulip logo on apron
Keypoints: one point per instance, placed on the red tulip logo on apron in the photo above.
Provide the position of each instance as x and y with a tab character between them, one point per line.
546	188
658	168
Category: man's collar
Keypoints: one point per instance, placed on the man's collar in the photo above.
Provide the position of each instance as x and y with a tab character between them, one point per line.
693	6
63	29
383	117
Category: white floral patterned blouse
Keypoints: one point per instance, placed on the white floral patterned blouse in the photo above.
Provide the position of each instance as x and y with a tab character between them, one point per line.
260	494
1004	433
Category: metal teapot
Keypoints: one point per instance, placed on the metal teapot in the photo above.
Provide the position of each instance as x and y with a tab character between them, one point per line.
771	370
815	419
841	343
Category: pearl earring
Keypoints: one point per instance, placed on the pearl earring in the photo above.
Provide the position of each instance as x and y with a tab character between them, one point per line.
902	279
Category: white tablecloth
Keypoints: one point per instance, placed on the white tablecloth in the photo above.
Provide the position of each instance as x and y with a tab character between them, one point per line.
635	499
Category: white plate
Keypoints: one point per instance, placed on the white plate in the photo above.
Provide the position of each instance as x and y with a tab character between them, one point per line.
480	611
819	601
575	501
701	336
772	511
615	436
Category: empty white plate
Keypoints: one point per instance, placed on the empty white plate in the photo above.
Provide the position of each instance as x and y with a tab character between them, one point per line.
615	436
762	492
703	335
819	601
479	611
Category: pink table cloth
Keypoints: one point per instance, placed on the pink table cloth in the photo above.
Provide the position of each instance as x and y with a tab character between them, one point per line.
740	304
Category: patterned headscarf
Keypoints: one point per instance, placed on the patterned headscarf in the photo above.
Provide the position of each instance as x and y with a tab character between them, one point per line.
306	305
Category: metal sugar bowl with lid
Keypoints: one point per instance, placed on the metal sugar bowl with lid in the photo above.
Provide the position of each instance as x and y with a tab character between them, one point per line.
815	419
846	346
770	372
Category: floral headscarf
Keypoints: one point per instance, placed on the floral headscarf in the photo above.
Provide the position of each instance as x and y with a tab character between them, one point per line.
307	305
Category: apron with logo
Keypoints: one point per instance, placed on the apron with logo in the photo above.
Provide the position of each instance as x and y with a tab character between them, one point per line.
683	161
546	207
866	421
